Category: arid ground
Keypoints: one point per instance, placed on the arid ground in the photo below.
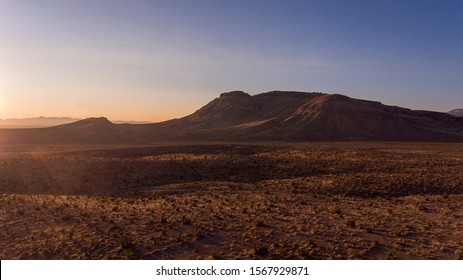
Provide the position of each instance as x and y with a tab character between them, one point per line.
338	200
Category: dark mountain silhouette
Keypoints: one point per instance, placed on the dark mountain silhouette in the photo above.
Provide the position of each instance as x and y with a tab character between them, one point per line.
271	116
456	112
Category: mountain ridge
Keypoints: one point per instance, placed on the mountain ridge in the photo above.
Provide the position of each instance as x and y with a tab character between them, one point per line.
295	116
269	116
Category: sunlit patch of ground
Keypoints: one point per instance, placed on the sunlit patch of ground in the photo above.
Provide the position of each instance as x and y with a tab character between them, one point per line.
234	201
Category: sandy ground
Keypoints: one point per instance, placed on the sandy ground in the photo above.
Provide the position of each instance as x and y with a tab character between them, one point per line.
232	201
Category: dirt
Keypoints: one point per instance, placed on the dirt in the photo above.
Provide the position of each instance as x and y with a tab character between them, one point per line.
338	200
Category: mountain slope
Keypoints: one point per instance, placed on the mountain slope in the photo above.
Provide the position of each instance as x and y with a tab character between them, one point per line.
271	116
298	116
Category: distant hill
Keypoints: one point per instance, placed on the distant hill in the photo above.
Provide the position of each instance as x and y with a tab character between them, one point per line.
41	122
456	112
270	116
34	122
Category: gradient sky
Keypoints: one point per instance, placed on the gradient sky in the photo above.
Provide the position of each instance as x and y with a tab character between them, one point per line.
155	60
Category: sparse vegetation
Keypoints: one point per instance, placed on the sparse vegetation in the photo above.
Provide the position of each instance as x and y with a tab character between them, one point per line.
232	201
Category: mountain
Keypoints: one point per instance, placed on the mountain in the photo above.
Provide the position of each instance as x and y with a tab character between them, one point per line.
456	112
270	116
298	116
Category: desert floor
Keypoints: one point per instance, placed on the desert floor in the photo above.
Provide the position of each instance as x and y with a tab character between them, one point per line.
340	200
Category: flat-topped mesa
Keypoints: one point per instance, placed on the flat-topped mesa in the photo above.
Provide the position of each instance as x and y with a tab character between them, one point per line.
288	94
97	120
234	94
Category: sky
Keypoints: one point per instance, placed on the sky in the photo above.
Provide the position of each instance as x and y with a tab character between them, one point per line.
157	60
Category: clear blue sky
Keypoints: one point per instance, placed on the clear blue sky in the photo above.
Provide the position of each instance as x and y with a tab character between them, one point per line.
154	60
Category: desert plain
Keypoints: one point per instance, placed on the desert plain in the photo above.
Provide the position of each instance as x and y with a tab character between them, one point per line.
237	200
